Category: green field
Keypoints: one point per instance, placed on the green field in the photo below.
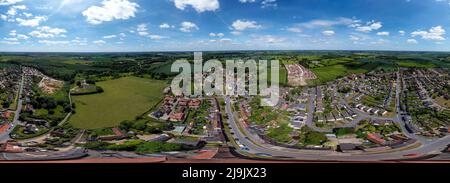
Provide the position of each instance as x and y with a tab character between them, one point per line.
416	64
123	99
330	73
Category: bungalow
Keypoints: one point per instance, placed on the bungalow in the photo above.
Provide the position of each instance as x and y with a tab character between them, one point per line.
119	133
158	114
6	115
330	118
58	133
183	102
299	107
346	147
383	113
30	129
169	100
177	117
321	119
195	104
375	138
10	147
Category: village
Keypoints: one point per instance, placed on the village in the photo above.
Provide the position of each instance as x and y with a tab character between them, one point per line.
375	112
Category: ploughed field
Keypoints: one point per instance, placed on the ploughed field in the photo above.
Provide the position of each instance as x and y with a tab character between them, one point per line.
122	99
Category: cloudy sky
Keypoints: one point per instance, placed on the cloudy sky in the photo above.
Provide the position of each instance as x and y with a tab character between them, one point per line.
203	25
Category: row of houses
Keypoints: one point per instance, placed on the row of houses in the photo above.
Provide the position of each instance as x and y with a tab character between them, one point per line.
175	108
371	110
339	115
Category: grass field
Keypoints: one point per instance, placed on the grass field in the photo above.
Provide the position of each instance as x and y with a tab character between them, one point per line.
330	73
123	99
416	64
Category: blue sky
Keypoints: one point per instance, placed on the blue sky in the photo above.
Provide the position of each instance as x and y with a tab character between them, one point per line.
204	25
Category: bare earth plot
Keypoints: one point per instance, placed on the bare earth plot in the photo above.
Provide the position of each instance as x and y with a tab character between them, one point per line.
298	75
123	99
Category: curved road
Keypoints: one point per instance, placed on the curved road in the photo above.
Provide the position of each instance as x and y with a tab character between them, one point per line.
255	146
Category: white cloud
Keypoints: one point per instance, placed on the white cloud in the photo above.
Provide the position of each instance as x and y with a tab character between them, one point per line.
28	15
188	27
236	33
412	41
199	5
13	33
247	1
328	23
142	30
79	41
99	42
156	37
328	33
20	7
369	27
294	29
9	2
166	26
49	42
241	25
11	12
31	22
380	41
21	36
216	34
269	3
47	32
402	33
51	30
354	38
3	17
111	10
109	37
383	33
9	42
11	39
270	39
435	33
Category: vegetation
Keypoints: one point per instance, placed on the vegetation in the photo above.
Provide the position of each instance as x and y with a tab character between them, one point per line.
122	99
310	137
138	146
19	132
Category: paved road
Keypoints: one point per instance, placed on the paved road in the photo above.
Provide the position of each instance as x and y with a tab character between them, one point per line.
5	136
256	147
311	110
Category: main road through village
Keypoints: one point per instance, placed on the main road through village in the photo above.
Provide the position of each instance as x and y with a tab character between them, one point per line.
5	135
257	146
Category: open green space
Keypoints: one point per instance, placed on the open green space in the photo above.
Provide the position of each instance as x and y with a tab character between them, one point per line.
122	99
330	73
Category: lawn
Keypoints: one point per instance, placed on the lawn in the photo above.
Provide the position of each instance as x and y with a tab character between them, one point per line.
122	99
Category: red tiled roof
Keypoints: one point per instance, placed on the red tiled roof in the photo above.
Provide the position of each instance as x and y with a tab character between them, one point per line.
375	139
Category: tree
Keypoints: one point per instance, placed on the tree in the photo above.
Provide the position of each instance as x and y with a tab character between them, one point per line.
125	125
140	125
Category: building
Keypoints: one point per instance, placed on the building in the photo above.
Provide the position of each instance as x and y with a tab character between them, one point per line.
177	117
195	104
10	147
346	147
375	138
